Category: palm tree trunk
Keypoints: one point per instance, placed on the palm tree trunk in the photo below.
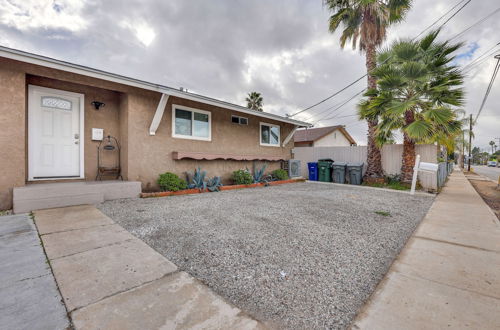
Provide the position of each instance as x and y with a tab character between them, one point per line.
374	169
409	156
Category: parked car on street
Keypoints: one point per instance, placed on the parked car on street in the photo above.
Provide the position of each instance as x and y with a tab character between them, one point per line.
492	163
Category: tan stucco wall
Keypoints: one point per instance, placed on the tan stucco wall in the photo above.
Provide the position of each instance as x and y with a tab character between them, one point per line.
334	139
151	155
12	133
106	118
127	116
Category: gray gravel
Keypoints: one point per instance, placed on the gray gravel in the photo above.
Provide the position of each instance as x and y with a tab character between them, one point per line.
295	256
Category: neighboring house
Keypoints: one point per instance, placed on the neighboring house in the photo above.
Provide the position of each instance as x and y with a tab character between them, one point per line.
331	136
48	110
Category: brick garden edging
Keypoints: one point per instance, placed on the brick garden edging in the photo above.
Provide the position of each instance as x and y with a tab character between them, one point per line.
222	188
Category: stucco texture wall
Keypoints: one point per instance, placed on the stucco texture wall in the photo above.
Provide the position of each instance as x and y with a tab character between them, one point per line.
106	118
334	139
127	115
12	133
148	156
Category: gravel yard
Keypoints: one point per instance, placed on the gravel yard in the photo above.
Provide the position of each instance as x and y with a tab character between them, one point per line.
294	256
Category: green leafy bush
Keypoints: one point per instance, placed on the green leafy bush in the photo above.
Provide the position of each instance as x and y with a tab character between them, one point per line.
242	177
171	182
280	174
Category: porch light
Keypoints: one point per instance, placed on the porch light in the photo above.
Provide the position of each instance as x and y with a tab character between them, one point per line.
97	104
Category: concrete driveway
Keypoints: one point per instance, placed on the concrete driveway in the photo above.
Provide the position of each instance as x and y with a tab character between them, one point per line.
112	280
302	255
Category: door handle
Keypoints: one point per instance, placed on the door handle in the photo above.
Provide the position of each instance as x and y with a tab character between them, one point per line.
77	136
77	142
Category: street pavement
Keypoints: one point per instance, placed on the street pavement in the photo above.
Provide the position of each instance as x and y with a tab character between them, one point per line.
491	172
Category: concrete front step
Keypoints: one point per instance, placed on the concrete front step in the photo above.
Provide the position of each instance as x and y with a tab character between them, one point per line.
49	195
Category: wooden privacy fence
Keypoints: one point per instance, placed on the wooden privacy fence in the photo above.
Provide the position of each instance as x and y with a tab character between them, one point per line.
392	155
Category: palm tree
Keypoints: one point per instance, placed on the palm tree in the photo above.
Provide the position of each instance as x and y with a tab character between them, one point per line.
254	101
492	144
365	22
417	93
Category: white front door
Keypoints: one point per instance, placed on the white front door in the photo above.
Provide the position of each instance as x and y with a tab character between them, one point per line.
55	134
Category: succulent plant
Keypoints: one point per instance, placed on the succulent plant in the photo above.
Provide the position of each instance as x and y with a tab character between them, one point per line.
214	184
197	179
258	174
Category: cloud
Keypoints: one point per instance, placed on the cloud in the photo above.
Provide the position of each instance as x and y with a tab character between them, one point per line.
144	33
227	48
43	14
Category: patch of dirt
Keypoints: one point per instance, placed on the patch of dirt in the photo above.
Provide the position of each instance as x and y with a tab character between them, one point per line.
489	192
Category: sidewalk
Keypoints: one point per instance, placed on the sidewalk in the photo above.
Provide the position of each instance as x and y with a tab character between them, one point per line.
29	298
109	279
448	274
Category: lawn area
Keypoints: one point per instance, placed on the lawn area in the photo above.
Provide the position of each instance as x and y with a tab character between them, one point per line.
396	185
303	255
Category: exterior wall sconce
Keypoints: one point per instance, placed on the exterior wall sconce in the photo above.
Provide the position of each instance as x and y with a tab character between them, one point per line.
97	105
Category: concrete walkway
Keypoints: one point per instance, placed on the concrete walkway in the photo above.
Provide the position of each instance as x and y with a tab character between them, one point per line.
448	275
29	298
111	280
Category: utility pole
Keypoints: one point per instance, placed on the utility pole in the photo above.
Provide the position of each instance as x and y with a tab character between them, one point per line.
462	165
470	142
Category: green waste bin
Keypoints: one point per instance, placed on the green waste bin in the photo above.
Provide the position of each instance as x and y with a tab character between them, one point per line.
325	169
355	172
338	170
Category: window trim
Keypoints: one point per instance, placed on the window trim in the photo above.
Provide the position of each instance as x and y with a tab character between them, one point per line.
260	135
192	110
239	120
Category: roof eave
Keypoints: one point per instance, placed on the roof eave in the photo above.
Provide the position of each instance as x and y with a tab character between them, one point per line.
108	76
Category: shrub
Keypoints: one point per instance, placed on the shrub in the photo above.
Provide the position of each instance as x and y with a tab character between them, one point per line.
242	177
171	182
280	174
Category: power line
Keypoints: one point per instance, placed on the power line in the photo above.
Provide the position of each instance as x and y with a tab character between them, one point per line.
477	23
324	110
341	105
486	53
455	6
366	74
469	69
488	90
465	30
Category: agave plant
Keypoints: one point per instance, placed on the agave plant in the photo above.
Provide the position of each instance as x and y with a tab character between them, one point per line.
214	184
197	179
258	174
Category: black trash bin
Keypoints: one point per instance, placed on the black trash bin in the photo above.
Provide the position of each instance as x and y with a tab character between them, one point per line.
355	172
325	169
338	172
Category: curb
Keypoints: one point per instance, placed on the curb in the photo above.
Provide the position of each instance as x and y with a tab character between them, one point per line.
222	188
421	193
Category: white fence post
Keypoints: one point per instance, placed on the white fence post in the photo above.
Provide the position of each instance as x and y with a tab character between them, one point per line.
415	173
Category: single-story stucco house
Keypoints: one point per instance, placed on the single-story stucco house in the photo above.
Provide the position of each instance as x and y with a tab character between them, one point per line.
54	114
331	136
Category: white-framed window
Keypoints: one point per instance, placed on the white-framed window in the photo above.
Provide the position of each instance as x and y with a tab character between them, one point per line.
189	123
269	135
239	120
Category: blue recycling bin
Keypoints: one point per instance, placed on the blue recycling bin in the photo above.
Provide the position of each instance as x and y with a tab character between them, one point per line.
313	171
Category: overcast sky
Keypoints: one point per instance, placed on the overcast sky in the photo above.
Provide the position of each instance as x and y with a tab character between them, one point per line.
227	48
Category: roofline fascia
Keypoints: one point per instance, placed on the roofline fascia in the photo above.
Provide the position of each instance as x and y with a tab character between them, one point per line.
44	61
